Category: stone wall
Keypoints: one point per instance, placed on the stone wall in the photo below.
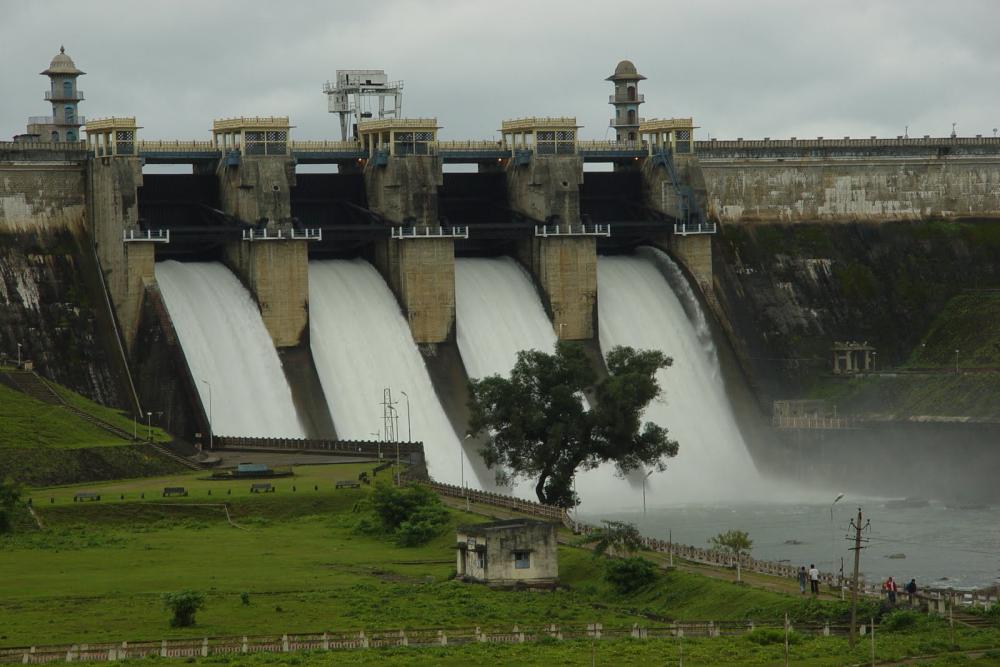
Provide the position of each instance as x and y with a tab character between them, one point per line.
113	208
405	188
850	181
277	274
257	188
421	273
566	270
42	196
547	186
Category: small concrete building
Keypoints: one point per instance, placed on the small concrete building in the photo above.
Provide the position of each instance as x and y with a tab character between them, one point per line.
509	553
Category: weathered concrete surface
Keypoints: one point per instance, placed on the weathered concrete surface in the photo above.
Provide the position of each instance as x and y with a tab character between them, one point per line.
547	186
113	208
405	188
277	274
258	188
849	181
51	303
695	253
421	273
42	196
566	270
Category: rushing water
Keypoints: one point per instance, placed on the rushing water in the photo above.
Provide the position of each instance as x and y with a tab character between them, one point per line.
361	344
639	308
499	314
231	356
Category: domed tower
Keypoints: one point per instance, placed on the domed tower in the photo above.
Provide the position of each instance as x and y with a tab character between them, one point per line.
626	100
64	95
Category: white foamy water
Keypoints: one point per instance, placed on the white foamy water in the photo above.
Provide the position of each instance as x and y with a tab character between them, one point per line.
638	307
361	343
499	314
221	331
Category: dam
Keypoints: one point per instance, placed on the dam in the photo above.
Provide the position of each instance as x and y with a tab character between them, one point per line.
253	298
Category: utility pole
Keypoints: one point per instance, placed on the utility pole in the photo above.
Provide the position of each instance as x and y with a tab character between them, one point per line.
858	527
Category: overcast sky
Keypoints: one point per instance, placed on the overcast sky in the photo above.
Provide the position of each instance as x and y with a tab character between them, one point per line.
775	68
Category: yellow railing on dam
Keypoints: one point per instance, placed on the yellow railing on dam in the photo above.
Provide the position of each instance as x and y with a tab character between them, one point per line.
177	146
324	146
848	142
472	145
610	146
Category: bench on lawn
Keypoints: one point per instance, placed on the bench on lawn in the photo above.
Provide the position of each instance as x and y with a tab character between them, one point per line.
348	484
264	487
83	496
174	491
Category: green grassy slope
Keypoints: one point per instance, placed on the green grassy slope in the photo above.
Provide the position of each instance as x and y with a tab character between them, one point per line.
306	569
26	422
42	443
969	323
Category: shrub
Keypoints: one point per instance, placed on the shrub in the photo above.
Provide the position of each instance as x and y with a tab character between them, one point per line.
245	598
413	515
902	620
767	636
627	575
183	605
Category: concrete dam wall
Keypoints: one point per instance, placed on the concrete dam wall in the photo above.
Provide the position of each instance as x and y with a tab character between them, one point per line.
851	179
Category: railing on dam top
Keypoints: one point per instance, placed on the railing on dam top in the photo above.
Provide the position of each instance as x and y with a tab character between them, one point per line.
424	232
325	146
545	231
686	228
146	235
178	147
846	142
43	145
310	234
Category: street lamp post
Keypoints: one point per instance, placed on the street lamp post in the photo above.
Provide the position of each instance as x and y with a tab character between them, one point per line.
211	442
19	355
149	426
461	461
956	362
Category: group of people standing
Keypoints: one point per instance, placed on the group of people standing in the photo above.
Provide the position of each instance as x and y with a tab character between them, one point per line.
890	588
812	576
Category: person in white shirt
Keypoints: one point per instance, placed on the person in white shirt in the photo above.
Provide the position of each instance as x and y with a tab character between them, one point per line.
814	579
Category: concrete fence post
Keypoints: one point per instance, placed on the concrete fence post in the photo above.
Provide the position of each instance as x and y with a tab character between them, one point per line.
364	639
442	638
479	635
204	647
403	641
244	647
863	630
71	653
326	642
284	643
826	629
163	648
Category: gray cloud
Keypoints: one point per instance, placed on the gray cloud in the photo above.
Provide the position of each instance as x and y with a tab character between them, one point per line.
768	68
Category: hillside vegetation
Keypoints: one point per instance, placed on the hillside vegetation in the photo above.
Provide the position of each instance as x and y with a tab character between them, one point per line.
935	381
44	443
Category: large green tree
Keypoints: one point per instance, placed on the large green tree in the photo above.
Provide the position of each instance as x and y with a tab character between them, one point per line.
537	426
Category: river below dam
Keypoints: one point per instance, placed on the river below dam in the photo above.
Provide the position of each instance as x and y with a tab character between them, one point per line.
943	546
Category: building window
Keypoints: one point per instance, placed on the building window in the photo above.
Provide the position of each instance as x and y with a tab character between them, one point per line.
70	135
69	114
68	90
55	136
522	560
631	116
481	560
